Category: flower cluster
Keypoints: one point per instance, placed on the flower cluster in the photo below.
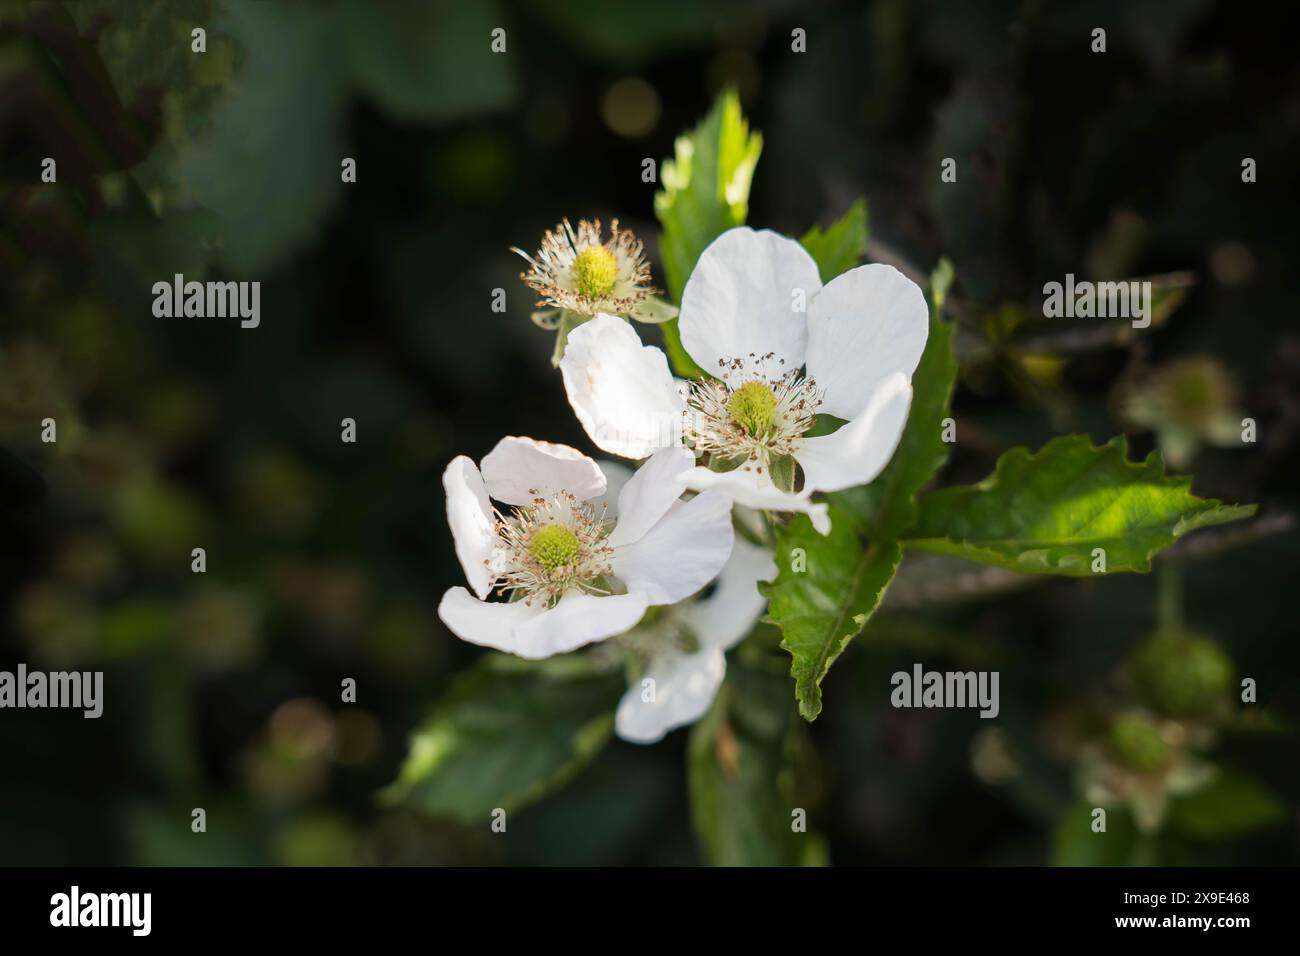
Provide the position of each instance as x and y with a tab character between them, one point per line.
807	390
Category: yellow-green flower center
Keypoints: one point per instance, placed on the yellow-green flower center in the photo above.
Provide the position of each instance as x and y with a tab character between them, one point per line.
554	546
595	270
753	407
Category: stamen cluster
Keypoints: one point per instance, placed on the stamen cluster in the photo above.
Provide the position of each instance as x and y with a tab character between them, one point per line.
554	546
752	413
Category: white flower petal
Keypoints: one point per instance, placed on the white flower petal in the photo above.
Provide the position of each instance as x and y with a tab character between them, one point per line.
616	476
577	620
858	451
649	494
621	391
741	299
472	528
534	632
518	470
680	554
684	687
757	491
487	624
725	616
864	325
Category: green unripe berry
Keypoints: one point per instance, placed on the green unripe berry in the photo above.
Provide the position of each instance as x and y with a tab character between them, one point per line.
753	407
1182	674
554	546
595	271
1136	741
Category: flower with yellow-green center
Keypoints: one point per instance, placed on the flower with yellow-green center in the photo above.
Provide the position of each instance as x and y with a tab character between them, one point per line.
1140	762
781	350
577	271
1189	402
562	572
675	658
577	274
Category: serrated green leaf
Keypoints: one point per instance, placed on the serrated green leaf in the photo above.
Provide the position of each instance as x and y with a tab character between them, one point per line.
825	589
741	776
1228	806
823	607
508	731
1045	513
840	247
705	192
887	506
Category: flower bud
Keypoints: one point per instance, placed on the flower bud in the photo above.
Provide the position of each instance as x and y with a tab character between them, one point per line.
1182	674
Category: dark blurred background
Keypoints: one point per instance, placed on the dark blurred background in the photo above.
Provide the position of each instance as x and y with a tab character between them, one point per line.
326	560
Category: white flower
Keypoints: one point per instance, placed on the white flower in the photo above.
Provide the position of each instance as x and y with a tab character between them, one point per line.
574	270
683	652
849	355
571	577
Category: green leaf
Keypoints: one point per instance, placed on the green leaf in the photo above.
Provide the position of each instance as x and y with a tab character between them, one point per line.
548	319
601	817
781	469
508	731
888	505
630	35
741	775
705	192
822	596
719	464
652	311
1075	843
1045	513
1228	806
288	103
825	589
840	247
